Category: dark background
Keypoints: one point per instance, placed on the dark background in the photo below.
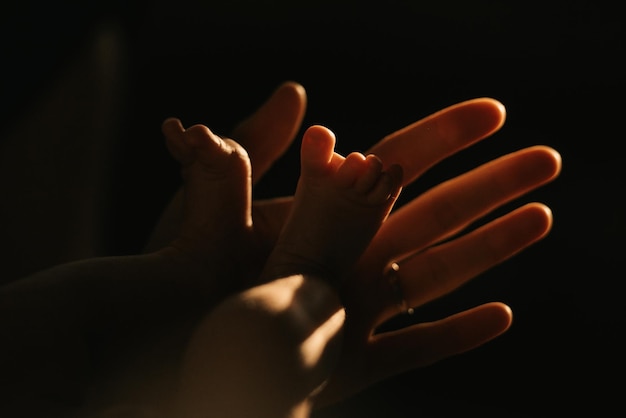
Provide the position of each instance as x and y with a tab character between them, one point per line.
371	69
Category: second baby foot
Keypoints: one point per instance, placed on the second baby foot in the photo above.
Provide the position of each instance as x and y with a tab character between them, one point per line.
217	184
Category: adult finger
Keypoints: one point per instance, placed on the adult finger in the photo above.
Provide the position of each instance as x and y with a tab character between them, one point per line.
453	205
269	131
422	144
432	273
391	353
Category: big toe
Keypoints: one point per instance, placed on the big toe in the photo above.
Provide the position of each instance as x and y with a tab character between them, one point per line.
316	154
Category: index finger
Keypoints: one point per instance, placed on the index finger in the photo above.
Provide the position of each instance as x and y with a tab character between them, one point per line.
422	144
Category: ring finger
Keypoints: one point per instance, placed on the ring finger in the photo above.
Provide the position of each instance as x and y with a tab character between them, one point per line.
436	271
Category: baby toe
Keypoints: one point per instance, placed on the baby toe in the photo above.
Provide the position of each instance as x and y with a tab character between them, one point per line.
370	176
316	152
350	170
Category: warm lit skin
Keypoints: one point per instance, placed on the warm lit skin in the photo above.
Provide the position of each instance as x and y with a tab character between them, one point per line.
175	288
339	205
416	148
264	351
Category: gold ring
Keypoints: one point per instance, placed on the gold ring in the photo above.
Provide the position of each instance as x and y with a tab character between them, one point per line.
393	279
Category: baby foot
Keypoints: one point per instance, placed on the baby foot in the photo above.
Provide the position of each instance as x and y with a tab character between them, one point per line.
338	207
217	188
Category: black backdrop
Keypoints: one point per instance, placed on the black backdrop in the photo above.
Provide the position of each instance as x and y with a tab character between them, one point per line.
368	70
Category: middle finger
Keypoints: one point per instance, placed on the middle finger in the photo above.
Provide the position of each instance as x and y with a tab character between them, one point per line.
422	144
451	206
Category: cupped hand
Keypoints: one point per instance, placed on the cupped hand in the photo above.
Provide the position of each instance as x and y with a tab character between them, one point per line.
428	238
433	251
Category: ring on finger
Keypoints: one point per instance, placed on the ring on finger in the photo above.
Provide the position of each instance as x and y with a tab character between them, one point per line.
392	277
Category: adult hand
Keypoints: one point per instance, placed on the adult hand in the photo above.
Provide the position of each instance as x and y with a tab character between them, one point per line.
427	267
411	234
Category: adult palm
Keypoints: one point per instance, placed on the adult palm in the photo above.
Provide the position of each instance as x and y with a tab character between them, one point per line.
424	237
